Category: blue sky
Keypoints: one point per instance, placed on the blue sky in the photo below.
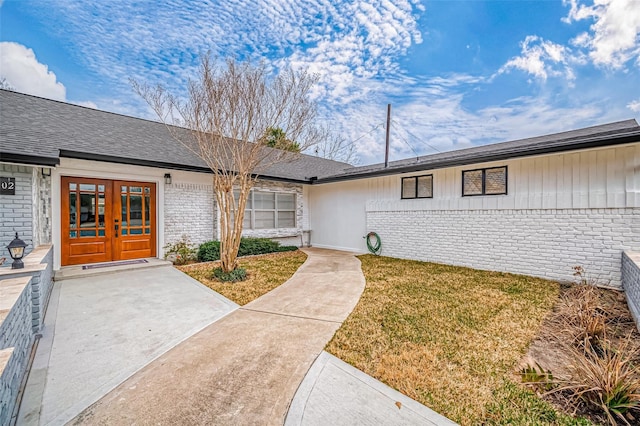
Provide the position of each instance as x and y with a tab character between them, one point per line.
457	73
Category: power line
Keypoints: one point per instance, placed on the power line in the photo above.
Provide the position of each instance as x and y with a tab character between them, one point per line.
424	142
393	122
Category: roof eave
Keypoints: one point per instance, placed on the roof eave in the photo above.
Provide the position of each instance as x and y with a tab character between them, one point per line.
159	164
31	160
487	157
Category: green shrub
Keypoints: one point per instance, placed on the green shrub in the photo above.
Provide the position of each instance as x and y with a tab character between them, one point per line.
238	274
252	246
209	251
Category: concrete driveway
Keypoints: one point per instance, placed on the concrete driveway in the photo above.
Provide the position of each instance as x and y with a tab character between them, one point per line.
100	329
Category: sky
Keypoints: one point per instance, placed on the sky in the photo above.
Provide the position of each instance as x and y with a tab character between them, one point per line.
457	73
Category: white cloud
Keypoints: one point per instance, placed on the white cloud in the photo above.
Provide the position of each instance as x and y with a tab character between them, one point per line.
21	69
345	42
542	58
634	105
612	39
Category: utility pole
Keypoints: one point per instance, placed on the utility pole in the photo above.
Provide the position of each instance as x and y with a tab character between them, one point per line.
386	155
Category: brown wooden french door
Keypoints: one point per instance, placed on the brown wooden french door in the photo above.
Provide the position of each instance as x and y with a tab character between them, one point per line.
105	220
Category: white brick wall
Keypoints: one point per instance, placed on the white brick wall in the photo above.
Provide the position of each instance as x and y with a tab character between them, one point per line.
189	210
16	212
545	243
631	282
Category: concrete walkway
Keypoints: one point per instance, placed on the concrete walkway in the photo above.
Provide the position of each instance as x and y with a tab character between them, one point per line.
100	329
335	393
245	368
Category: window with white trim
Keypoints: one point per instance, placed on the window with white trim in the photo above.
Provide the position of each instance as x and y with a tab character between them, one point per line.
489	181
269	210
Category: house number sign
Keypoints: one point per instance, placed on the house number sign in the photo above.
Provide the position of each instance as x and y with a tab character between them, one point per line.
7	186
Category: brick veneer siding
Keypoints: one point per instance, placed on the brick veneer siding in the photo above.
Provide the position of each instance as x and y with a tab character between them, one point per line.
545	243
23	321
41	287
631	282
189	210
16	333
16	211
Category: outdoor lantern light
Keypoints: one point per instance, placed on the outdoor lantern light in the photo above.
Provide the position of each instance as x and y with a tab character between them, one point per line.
167	179
46	171
16	251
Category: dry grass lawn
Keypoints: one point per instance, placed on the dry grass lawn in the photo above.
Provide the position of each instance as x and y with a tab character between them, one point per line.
450	337
265	272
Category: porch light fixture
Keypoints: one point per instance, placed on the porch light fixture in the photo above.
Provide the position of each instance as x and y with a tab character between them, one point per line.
167	179
46	171
16	251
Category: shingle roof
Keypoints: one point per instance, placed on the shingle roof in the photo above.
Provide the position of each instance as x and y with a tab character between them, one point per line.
590	137
39	131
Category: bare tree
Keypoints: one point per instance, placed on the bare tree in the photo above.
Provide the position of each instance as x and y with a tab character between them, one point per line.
227	111
4	84
335	147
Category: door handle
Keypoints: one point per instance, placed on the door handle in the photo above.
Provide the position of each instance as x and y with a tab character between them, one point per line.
116	228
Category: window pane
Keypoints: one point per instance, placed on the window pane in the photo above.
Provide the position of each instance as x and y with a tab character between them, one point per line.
135	210
100	188
425	186
264	220
472	182
87	211
409	187
136	189
123	200
147	201
496	181
264	200
286	219
87	187
236	196
72	186
286	202
101	210
246	222
72	209
87	233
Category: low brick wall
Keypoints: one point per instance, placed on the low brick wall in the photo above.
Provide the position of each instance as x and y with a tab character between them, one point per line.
15	335
631	282
544	243
24	295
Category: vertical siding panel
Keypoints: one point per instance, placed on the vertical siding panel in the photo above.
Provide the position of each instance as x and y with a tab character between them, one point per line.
632	176
597	176
549	181
615	184
582	189
535	184
455	188
566	188
521	190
